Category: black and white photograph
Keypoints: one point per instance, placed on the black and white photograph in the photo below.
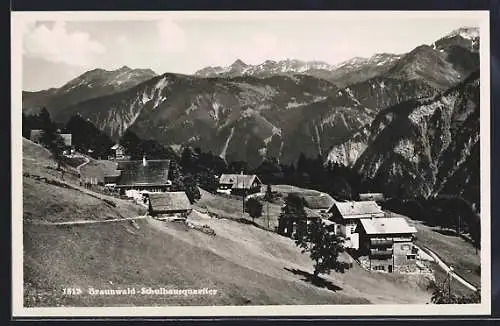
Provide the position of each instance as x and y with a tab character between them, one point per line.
251	163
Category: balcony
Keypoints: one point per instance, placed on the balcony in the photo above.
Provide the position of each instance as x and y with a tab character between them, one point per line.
381	253
403	239
380	242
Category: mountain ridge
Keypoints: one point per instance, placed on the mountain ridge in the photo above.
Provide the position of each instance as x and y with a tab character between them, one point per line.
430	145
91	84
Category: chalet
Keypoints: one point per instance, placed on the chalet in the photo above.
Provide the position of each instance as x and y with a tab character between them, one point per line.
119	151
346	216
143	175
168	203
371	196
388	244
239	184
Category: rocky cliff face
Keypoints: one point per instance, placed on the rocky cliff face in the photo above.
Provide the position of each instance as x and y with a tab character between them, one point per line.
421	147
379	93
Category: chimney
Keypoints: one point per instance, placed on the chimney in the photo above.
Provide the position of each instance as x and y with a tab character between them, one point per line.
144	163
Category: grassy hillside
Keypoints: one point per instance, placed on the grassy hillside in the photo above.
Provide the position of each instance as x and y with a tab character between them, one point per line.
38	160
453	250
232	208
245	264
47	197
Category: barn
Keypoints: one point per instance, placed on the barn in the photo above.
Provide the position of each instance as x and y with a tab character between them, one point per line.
168	203
143	175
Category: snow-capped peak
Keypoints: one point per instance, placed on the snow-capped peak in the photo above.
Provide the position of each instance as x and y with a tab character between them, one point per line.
239	63
469	33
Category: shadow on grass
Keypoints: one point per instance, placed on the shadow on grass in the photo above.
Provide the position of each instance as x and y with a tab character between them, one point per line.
315	280
448	232
453	233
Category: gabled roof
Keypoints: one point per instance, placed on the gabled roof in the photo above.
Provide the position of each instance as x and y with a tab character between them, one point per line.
387	225
322	201
239	181
134	172
358	209
169	201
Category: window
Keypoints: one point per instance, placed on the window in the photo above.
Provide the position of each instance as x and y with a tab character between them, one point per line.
410	257
379	268
405	247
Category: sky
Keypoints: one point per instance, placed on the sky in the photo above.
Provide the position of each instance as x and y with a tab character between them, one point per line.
57	49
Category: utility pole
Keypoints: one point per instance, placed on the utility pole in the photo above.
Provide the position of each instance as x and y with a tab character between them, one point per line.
267	208
243	194
449	282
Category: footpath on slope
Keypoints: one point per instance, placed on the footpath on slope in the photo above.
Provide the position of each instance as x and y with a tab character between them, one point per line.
447	269
87	160
80	222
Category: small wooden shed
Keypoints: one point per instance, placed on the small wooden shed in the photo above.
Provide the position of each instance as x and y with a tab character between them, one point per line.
169	203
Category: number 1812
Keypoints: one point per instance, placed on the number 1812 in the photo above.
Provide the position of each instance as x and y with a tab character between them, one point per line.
72	291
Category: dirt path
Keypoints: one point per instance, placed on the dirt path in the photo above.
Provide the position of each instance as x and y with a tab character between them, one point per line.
447	269
87	160
80	222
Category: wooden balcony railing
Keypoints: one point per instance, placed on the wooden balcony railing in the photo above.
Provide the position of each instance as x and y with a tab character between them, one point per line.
380	242
380	253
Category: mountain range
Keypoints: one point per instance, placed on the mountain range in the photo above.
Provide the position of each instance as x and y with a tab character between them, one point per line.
430	143
92	84
362	112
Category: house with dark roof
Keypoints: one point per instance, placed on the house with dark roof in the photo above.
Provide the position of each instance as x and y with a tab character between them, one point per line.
239	184
320	204
168	203
388	244
119	151
347	216
149	175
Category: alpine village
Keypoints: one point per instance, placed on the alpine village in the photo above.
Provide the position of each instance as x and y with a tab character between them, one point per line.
279	183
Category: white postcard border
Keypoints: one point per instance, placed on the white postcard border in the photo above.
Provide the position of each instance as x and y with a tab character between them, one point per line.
18	19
